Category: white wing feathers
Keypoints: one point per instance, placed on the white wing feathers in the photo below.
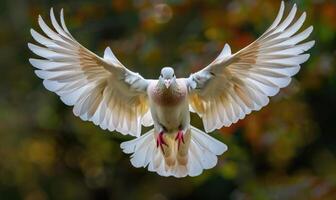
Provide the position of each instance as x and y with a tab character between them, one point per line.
101	90
233	85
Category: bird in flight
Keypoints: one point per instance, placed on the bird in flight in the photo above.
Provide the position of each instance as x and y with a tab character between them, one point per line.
104	91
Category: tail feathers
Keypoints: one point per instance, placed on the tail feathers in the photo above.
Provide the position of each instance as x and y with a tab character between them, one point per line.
143	149
202	154
210	143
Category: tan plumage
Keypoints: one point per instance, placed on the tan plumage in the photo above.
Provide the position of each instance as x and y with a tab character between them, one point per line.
104	91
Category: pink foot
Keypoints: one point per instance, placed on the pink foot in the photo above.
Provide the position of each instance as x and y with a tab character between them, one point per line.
160	142
179	138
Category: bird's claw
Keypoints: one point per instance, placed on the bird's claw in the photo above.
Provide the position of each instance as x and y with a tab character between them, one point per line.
160	141
179	138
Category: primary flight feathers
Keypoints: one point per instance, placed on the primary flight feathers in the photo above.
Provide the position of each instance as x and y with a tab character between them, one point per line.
101	90
104	91
233	85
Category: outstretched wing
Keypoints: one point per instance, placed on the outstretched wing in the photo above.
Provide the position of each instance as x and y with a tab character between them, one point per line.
101	90
233	85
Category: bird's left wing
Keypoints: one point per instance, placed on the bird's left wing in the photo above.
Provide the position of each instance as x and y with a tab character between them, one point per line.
101	90
233	85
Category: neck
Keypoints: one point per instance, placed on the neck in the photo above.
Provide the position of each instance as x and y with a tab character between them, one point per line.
168	96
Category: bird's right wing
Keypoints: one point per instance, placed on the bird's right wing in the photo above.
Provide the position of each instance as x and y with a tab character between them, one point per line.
101	90
233	85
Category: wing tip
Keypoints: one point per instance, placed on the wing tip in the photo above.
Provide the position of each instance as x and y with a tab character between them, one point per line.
310	29
282	6
304	13
224	148
30	46
40	18
227	47
107	50
312	43
34	34
52	14
32	61
62	15
305	57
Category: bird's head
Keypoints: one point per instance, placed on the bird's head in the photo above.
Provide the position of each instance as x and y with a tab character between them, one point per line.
167	76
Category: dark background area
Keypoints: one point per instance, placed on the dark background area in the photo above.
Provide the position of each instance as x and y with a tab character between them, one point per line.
285	151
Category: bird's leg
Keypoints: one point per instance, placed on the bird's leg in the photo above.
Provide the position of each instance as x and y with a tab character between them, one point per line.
179	137
160	141
182	151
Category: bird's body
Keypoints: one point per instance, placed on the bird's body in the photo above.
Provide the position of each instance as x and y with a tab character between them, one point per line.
169	106
104	91
170	113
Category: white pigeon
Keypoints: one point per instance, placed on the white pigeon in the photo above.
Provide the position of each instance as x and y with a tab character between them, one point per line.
104	91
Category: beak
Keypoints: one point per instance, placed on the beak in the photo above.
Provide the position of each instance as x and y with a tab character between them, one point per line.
167	83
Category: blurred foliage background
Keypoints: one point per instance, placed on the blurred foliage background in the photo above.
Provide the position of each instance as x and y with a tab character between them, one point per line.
285	151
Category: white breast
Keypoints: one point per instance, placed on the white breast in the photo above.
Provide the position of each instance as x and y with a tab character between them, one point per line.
169	108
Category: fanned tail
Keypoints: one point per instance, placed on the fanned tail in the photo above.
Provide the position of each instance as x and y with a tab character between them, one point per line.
200	152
